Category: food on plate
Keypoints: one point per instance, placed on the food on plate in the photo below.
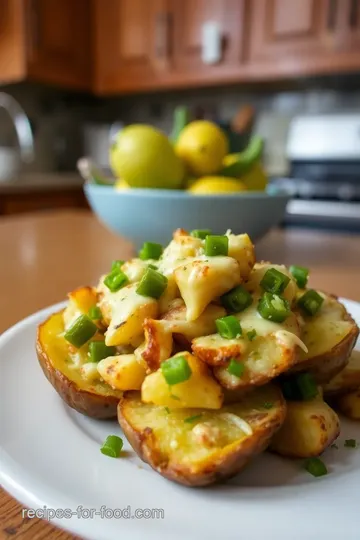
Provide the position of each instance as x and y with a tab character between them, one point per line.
205	349
309	428
347	380
197	447
143	157
329	335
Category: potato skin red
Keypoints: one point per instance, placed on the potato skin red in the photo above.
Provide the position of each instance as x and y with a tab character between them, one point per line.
84	401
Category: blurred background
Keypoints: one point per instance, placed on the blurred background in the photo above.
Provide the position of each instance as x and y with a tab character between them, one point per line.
80	70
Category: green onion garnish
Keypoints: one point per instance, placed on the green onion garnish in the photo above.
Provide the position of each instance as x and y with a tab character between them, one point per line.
216	245
112	446
315	466
274	281
301	387
95	313
167	410
268	405
251	334
200	233
152	266
116	280
273	307
191	419
80	331
310	302
300	275
236	368
237	299
116	265
98	350
228	327
150	250
350	443
176	370
152	284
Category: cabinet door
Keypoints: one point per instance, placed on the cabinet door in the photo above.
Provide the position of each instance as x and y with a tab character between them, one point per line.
349	26
12	57
58	34
291	35
131	44
188	19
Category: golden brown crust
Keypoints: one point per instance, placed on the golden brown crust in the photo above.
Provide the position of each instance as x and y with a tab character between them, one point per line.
223	465
84	401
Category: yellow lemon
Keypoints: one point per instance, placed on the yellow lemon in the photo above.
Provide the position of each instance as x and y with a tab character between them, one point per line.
216	184
121	185
255	179
202	145
144	158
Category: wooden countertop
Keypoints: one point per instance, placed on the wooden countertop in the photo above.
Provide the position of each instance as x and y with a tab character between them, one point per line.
43	256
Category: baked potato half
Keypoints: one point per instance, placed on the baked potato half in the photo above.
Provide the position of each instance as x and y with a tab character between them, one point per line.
84	394
349	404
347	380
329	336
197	447
309	428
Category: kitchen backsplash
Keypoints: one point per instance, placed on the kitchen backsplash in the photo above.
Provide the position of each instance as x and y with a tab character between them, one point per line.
58	117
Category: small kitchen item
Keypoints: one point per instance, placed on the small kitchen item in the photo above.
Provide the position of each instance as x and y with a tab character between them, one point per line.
152	214
239	129
92	173
324	156
97	139
10	158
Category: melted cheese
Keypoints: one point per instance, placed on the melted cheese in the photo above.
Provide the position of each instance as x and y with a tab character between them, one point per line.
253	284
239	422
251	319
289	340
135	269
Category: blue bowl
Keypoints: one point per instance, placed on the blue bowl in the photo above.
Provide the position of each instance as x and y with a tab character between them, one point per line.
153	214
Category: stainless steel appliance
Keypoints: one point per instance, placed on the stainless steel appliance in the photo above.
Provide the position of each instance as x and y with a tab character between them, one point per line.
324	156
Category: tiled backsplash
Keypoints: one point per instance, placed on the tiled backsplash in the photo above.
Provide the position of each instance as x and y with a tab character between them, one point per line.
58	117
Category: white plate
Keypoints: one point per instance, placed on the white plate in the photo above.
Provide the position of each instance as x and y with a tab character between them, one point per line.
50	457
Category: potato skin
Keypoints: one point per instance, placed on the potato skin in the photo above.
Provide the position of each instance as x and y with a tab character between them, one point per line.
83	401
347	380
224	465
349	404
325	366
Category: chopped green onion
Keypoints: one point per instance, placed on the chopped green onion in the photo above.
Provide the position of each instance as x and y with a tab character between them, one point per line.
237	299
176	370
116	265
315	466
98	350
236	368
310	302
200	233
112	446
273	307
268	405
228	327
95	313
251	334
191	419
152	284
80	331
274	281
300	274
301	387
116	280
216	245
350	443
150	250
167	410
152	266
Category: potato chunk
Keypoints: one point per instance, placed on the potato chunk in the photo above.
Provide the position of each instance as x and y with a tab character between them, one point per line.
258	272
200	390
241	248
309	428
80	301
202	280
349	404
122	372
348	379
157	346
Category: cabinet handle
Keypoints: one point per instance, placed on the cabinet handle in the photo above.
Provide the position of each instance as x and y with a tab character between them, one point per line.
353	13
161	35
33	25
332	14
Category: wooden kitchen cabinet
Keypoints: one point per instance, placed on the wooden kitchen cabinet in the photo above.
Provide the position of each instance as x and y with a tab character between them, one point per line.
47	41
131	44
